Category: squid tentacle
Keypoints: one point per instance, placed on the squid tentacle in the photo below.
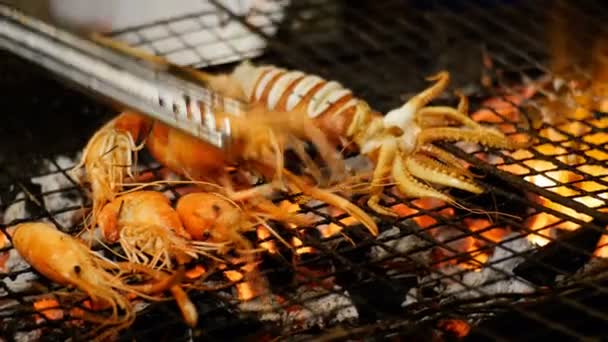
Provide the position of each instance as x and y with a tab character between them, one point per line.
446	112
487	137
385	157
446	158
432	171
411	187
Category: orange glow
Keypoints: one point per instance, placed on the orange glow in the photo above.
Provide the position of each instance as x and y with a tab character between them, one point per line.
495	234
424	221
245	288
560	115
457	327
301	250
602	247
263	233
195	272
333	229
49	308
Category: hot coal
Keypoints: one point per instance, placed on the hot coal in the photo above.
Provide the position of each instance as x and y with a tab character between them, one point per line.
218	321
504	201
374	288
563	256
277	267
496	277
543	319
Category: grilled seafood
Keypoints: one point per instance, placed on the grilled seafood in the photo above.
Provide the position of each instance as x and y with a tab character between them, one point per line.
149	230
400	142
68	261
210	216
109	157
195	159
213	217
259	136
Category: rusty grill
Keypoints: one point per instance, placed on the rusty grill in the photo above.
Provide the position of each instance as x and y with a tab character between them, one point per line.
524	260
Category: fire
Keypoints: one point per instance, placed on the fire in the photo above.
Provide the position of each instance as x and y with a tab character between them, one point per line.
263	233
573	120
244	289
49	309
301	250
423	221
195	272
333	229
457	327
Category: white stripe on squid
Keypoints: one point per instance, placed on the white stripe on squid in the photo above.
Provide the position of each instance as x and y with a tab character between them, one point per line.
329	100
320	100
349	104
264	82
280	86
301	89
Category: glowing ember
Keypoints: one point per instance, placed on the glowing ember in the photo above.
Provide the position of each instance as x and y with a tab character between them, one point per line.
301	250
49	308
245	280
555	178
195	272
263	234
457	327
424	221
333	229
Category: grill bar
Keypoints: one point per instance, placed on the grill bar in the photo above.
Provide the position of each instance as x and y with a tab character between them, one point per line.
381	63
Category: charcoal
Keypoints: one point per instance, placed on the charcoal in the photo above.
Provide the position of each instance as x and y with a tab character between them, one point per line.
563	256
492	201
540	320
217	321
375	293
30	193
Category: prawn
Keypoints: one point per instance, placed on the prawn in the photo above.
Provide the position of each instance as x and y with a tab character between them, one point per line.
109	157
67	261
149	230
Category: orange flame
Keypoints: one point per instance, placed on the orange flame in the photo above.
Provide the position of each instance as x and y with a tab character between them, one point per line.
563	182
301	250
49	308
195	272
263	233
457	327
245	288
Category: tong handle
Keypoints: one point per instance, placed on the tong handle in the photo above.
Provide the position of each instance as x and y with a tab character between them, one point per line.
115	76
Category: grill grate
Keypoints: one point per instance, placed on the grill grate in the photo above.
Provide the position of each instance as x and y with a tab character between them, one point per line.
383	51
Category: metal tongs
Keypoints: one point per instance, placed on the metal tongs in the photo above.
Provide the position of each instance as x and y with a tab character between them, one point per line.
118	77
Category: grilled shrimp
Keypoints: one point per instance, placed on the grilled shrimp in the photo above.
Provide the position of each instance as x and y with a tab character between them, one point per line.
260	137
109	157
149	230
214	218
69	262
400	142
210	216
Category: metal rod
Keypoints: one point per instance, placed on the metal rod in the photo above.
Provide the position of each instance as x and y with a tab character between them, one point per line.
115	76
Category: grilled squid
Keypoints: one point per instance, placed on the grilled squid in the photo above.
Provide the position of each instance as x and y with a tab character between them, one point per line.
400	142
68	261
259	140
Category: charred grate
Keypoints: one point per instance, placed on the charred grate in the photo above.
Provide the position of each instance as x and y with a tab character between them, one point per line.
426	274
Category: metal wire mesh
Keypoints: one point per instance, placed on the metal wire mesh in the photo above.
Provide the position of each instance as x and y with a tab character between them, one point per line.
416	281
